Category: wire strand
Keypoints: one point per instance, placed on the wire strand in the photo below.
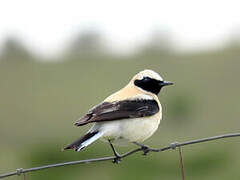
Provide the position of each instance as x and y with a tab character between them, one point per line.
171	146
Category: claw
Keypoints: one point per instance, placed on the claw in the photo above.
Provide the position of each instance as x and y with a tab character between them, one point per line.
117	160
145	148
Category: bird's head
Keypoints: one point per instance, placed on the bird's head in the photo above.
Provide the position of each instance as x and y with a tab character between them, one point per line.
149	81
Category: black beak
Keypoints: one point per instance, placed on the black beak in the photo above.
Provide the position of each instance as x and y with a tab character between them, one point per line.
165	83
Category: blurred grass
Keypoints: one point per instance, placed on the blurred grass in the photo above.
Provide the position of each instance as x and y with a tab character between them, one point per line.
40	101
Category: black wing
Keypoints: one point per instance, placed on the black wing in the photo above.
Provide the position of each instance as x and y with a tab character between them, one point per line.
109	111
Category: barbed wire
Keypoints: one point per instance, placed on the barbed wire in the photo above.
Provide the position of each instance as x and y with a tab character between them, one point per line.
145	150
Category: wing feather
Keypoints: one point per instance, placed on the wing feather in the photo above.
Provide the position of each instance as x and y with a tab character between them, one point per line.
109	111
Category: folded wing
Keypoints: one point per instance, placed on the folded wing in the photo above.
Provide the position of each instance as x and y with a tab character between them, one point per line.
110	111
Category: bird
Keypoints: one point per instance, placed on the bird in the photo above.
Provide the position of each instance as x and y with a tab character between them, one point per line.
131	115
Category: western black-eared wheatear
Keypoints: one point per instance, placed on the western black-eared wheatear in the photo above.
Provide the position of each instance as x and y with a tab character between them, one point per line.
132	114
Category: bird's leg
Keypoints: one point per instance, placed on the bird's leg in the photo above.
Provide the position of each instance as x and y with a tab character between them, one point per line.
117	158
144	148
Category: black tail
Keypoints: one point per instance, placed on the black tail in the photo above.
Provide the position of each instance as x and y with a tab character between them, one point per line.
78	144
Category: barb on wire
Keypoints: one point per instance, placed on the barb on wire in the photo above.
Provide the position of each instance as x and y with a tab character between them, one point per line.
171	146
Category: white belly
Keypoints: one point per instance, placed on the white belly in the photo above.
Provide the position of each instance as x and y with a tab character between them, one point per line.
129	130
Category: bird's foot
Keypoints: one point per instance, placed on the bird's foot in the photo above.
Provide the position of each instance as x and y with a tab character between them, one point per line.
145	148
117	158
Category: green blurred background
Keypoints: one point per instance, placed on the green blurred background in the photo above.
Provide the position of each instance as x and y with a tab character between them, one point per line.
41	100
41	97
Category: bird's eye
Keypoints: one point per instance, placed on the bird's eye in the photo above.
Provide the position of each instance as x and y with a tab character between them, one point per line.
146	79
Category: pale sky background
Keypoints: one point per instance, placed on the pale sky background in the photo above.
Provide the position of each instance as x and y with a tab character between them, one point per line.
47	26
